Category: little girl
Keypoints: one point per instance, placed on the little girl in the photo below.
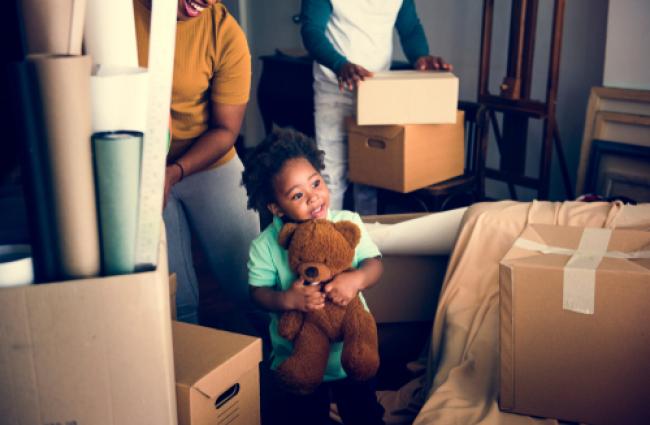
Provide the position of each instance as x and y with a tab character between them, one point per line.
283	176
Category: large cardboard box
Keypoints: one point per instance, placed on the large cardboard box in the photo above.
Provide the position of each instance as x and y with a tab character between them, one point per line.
575	325
217	376
89	351
409	287
404	158
408	97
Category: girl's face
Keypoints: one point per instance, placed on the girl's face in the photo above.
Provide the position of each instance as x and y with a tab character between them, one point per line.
188	9
300	192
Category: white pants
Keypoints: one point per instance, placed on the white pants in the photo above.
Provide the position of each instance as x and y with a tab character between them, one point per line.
212	204
331	106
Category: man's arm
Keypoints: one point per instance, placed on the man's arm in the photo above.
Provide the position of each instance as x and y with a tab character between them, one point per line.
315	15
410	31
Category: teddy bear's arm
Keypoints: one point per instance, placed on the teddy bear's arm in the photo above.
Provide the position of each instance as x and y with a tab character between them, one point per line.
290	324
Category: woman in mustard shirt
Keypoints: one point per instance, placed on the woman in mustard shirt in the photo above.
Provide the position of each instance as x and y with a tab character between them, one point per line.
211	86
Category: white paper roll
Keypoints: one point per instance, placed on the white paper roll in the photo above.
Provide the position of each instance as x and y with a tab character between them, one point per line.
16	265
109	33
119	99
433	234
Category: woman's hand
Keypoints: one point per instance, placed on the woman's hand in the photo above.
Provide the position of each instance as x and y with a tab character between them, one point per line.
345	287
350	75
428	63
303	297
173	174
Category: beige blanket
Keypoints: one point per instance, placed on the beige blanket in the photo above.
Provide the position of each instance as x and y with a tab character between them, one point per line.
459	384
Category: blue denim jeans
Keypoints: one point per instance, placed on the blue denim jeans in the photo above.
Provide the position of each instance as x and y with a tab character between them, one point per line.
331	106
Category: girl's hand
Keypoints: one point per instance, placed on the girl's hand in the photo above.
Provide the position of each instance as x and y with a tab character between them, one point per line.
427	63
345	287
304	298
350	75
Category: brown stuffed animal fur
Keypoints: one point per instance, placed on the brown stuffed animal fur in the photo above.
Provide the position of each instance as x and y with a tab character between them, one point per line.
318	251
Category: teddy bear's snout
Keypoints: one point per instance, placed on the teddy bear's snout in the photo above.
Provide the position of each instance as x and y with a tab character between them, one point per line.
314	272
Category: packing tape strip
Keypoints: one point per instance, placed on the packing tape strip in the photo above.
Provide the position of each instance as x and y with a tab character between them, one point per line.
579	285
162	39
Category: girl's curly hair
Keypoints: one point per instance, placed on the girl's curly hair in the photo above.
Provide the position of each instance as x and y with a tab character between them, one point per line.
268	158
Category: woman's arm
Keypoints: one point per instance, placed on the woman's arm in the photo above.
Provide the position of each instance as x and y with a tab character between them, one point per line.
315	15
210	146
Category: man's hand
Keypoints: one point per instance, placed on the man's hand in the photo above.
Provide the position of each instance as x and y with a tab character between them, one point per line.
345	287
428	63
303	297
172	176
350	75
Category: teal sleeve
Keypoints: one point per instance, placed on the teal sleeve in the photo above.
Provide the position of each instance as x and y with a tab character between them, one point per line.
315	15
261	271
411	33
366	248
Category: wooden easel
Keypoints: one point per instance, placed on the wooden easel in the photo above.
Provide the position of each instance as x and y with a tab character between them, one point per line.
514	100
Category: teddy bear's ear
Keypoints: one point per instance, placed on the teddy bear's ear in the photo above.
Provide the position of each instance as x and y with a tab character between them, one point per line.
284	238
350	232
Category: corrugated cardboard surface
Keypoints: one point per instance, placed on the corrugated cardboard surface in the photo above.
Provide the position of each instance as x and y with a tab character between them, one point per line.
212	365
406	158
566	365
409	287
408	97
90	351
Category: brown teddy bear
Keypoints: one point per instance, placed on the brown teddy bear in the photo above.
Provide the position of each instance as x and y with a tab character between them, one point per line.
318	251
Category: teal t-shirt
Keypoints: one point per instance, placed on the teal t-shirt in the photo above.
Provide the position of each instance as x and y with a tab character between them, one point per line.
268	266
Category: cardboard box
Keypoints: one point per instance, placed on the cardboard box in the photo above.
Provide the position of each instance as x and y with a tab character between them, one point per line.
89	351
406	157
575	325
217	376
408	97
409	287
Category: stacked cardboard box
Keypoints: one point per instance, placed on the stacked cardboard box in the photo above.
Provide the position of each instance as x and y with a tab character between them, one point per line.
575	325
407	133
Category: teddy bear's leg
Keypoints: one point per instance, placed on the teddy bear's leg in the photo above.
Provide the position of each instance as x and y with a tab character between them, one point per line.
303	371
360	357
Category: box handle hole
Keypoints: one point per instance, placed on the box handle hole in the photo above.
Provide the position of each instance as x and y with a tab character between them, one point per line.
226	395
376	144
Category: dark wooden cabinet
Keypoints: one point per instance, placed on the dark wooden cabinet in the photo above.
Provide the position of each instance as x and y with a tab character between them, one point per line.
285	93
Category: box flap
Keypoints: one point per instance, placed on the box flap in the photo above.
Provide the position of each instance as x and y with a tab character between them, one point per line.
211	360
378	131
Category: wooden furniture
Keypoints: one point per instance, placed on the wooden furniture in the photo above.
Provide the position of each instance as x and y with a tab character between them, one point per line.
456	192
617	115
619	170
514	100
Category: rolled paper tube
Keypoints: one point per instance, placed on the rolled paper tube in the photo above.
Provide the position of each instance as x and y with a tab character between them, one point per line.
119	99
64	83
54	26
15	265
109	33
117	171
28	121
